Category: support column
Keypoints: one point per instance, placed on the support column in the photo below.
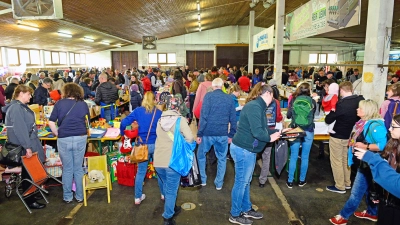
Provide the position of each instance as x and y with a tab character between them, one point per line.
4	57
377	47
251	33
42	59
279	32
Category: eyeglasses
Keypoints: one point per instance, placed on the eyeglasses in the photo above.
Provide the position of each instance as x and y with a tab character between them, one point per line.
393	127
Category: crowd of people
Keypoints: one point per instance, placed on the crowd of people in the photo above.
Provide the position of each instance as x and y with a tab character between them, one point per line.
226	128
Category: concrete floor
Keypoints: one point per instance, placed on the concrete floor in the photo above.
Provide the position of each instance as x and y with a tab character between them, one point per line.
312	207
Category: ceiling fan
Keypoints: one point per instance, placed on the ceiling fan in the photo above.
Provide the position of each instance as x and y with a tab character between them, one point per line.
149	42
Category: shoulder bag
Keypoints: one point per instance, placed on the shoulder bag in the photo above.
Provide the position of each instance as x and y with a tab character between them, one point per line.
140	152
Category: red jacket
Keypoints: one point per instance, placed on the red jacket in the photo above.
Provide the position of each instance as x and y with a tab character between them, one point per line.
146	84
244	83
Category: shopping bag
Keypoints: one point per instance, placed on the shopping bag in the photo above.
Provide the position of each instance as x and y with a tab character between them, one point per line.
281	155
126	173
140	152
10	154
182	152
193	179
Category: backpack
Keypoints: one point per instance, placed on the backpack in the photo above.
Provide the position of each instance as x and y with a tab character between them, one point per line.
302	111
183	91
271	114
393	109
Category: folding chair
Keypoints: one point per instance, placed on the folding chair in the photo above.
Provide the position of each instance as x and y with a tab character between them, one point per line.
97	163
38	176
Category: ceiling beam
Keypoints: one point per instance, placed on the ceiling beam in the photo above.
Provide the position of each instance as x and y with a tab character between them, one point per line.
5	11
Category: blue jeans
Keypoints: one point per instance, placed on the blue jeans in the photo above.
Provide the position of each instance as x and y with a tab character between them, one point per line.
141	173
360	188
170	184
244	168
107	114
221	148
72	150
306	143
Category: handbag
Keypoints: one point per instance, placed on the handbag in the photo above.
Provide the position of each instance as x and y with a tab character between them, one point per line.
140	152
182	152
193	179
10	154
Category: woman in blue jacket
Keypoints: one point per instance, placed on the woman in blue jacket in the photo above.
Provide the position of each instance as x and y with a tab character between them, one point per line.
368	133
147	117
385	172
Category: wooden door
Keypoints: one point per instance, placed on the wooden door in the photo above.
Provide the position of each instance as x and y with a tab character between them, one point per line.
123	60
199	59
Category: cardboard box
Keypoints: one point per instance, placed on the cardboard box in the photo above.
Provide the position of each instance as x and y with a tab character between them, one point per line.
112	159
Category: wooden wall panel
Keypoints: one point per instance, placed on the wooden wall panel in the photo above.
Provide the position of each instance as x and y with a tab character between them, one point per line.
123	60
199	59
233	55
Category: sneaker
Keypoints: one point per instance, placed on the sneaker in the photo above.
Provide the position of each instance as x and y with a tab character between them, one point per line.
253	214
302	183
218	188
79	200
334	189
261	185
162	198
67	201
348	187
139	200
203	185
289	184
365	215
240	220
338	220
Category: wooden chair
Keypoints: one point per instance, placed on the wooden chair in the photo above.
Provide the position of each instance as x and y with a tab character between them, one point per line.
97	163
38	176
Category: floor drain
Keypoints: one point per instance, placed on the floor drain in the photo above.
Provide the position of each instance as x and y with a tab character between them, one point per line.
188	206
295	222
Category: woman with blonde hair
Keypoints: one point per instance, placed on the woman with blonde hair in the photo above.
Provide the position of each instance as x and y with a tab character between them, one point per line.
194	84
146	116
368	133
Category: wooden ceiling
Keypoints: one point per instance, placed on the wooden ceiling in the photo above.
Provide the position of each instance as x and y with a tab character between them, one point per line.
126	21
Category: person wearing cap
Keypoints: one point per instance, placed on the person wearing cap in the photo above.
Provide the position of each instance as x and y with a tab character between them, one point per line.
41	94
170	179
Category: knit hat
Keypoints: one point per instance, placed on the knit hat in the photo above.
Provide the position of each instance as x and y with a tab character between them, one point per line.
134	88
34	77
333	89
174	103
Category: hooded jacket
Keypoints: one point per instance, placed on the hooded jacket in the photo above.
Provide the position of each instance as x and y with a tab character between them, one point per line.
20	121
106	93
164	143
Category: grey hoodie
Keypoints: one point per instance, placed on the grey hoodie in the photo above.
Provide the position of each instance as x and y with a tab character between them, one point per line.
21	127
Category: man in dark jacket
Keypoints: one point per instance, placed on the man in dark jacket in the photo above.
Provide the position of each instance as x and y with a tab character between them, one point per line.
86	84
10	88
217	113
41	94
106	95
345	117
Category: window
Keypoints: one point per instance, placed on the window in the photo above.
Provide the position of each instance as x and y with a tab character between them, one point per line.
162	58
55	57
83	59
71	58
12	55
321	58
171	58
24	57
77	59
332	58
313	58
1	60
63	58
35	57
47	57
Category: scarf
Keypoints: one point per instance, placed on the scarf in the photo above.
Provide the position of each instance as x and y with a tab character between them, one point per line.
357	130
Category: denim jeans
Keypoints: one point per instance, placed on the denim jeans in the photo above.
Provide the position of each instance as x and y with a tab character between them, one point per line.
170	180
72	150
359	189
141	173
221	148
107	114
306	143
244	168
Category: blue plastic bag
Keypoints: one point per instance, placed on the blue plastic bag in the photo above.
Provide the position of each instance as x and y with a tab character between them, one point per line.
182	152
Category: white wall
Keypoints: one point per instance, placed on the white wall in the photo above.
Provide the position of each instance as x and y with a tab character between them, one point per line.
202	41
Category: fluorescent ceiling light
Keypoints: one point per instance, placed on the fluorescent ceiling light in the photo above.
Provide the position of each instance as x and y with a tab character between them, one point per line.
105	43
199	29
119	46
27	27
64	34
88	39
198	6
198	16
